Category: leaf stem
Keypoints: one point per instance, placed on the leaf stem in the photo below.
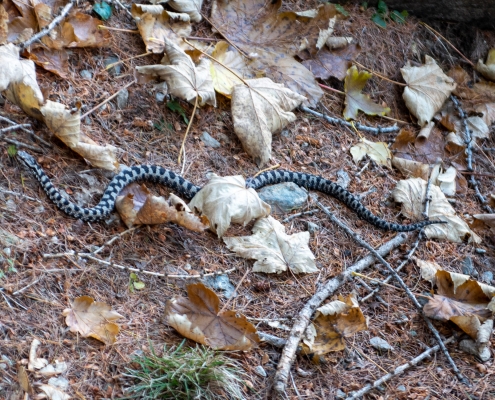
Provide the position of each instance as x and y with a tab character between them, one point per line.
380	76
109	28
331	89
188	128
266	169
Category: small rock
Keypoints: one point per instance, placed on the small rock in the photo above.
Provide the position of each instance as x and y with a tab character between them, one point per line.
284	197
303	373
468	267
260	371
480	251
285	133
160	97
343	178
312	228
401	388
209	141
122	99
220	282
413	333
487	277
85	74
115	70
380	344
469	346
340	394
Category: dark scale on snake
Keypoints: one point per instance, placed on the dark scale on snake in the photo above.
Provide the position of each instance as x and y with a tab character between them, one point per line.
153	173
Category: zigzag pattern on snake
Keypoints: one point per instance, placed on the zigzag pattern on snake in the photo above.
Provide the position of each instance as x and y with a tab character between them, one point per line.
153	173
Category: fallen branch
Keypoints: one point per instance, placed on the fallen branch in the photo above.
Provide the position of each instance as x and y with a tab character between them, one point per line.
402	284
50	26
357	125
303	319
27	129
399	370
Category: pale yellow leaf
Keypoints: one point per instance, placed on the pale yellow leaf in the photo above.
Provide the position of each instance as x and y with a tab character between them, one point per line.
487	69
377	151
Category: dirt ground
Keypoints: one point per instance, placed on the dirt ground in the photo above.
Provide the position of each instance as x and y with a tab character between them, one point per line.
95	370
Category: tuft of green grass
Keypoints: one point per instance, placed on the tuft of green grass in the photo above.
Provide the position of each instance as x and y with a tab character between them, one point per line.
186	373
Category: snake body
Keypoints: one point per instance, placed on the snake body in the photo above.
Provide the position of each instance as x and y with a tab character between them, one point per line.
157	174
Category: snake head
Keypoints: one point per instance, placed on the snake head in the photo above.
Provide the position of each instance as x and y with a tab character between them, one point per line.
27	159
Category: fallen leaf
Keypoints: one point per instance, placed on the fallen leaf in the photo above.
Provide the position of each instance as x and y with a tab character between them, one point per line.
272	39
488	111
81	30
487	219
94	319
337	42
226	199
137	206
157	25
24	22
53	393
199	318
355	100
23	378
56	61
4	28
445	179
411	169
274	250
487	69
427	89
35	362
190	7
411	193
258	110
333	322
377	151
184	79
328	63
223	79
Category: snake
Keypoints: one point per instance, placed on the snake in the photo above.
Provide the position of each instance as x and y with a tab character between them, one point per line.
158	174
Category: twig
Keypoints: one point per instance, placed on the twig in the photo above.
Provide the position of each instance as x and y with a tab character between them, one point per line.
300	214
331	89
203	39
427	199
401	283
14	128
107	100
118	236
451	45
234	292
21	144
341	122
266	169
50	26
303	319
123	7
399	370
109	66
187	131
26	287
20	195
25	129
370	289
379	75
140	270
109	28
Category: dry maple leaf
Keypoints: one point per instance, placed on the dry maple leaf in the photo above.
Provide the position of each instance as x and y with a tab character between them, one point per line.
198	318
411	193
488	112
427	89
327	63
94	319
81	30
468	89
355	100
258	110
487	69
411	168
223	79
274	250
4	27
332	323
22	20
53	393
156	24
377	151
226	199
487	219
137	206
184	79
190	7
273	38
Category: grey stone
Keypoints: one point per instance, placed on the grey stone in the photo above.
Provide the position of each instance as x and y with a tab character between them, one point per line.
160	97
340	394
284	197
487	277
469	346
401	388
380	344
312	228
285	133
85	74
413	333
122	99
343	178
221	282
115	70
468	267
260	371
209	141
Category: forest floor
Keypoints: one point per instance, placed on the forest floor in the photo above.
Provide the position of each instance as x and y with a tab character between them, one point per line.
147	132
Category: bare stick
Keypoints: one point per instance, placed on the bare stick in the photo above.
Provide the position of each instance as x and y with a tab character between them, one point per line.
19	194
399	370
379	75
187	130
402	284
26	287
14	128
107	100
300	214
50	26
341	122
427	199
21	144
303	319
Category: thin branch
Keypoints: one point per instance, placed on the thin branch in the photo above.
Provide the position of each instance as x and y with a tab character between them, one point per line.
399	370
14	128
303	319
341	122
2	190
187	131
50	26
21	144
107	100
379	75
402	284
